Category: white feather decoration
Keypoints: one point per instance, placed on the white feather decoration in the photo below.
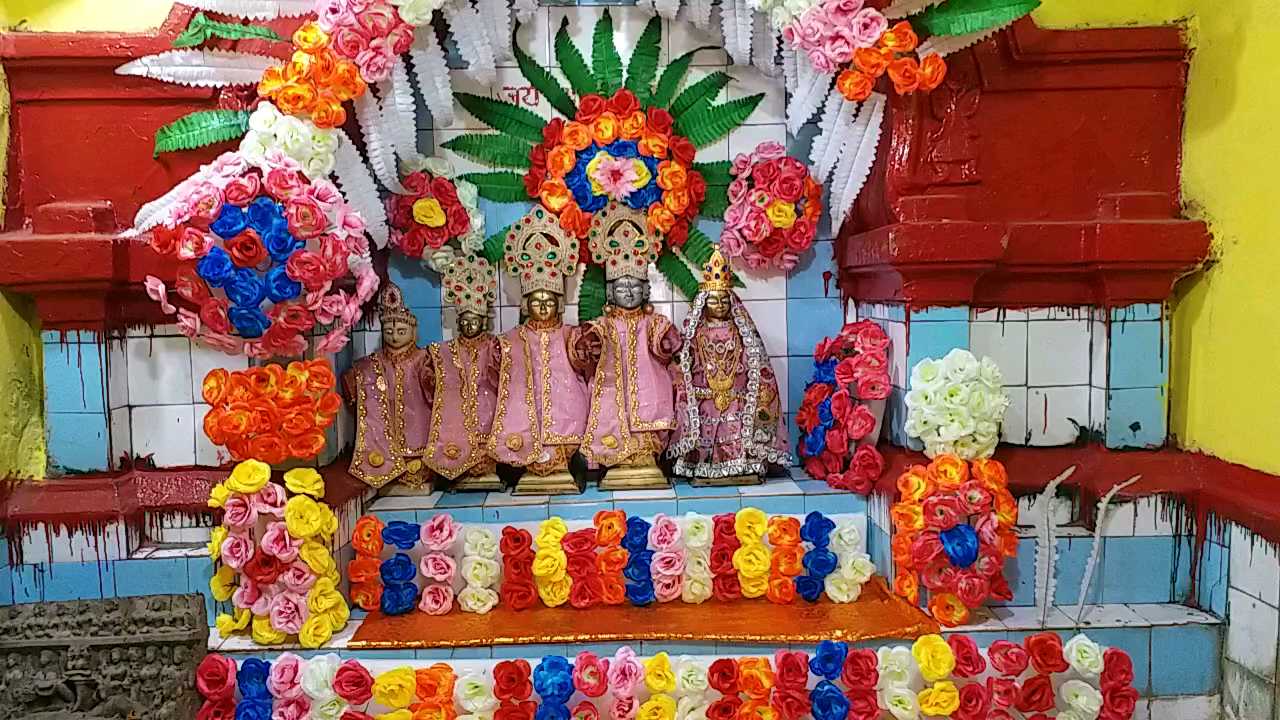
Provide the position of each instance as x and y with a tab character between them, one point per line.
400	112
903	8
1098	522
667	9
735	23
764	45
201	68
497	26
1047	545
465	23
382	156
432	72
856	159
525	9
646	6
359	189
946	44
789	68
698	12
153	213
834	132
255	9
811	90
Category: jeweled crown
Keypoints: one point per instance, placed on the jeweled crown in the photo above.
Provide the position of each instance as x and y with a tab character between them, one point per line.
470	284
539	253
619	241
716	274
391	305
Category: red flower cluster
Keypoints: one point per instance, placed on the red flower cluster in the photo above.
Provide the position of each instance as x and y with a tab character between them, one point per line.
517	591
724	541
790	698
1119	698
511	684
216	682
580	552
429	216
1042	655
860	674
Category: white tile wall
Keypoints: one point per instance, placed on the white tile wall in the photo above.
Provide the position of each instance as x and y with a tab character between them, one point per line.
1253	566
117	374
52	543
159	370
1120	521
121	437
205	359
1196	707
1056	414
167	432
1058	353
770	317
1013	429
1251	635
1004	342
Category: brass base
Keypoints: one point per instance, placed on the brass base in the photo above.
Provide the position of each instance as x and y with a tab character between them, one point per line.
634	477
561	483
726	481
477	483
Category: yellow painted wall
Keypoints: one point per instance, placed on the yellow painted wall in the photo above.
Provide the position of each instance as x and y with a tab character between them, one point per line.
74	15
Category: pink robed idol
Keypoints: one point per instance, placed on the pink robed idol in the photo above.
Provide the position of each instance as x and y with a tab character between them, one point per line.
459	379
542	400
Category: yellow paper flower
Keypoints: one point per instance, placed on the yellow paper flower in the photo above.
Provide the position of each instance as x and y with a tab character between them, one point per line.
228	625
305	481
754	587
338	616
658	676
549	565
554	593
216	536
395	715
315	632
749	524
550	532
940	700
223	583
264	634
318	558
752	560
218	495
934	656
395	688
249	477
658	707
782	214
427	211
303	517
328	523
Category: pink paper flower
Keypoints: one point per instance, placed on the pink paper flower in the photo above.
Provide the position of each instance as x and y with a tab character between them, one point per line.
247	595
668	563
623	707
298	578
278	543
440	532
438	567
285	679
616	176
436	599
665	533
295	708
868	26
262	603
237	549
625	673
270	500
288	612
666	587
590	674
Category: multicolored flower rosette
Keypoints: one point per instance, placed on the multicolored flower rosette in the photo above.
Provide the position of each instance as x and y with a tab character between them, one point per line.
273	559
259	251
437	217
956	404
318	78
955	525
843	406
369	33
774	205
271	413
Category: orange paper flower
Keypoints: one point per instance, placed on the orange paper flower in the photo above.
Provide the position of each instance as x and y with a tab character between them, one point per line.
435	684
854	85
948	610
366	538
871	61
755	677
900	38
366	595
905	74
611	526
949	471
933	69
271	413
782	590
363	569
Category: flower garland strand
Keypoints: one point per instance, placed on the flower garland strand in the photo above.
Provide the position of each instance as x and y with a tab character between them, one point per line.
550	563
638	572
518	591
364	570
611	528
697	583
438	535
666	537
853	565
818	561
579	548
625	675
660	680
752	558
480	571
724	583
553	681
786	559
399	592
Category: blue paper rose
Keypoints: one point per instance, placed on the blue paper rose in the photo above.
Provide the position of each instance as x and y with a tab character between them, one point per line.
553	680
249	322
623	149
817	529
398	569
828	702
825	371
637	537
281	287
960	543
642	198
230	223
820	562
254	709
828	659
815	442
398	598
252	678
404	535
640	593
809	587
825	418
265	214
216	267
245	289
280	244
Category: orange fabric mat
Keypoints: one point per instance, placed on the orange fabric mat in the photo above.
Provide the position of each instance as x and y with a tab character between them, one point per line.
877	614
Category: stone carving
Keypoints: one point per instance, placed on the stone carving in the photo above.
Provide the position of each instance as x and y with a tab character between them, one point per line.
95	659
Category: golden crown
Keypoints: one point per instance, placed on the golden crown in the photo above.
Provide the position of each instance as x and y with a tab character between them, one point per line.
716	274
619	240
470	284
391	305
540	253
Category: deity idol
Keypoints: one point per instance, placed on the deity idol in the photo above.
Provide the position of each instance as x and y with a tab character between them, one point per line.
460	381
729	423
385	389
625	355
542	402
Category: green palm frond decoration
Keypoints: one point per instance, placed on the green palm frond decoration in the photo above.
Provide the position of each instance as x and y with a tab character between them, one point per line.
542	80
200	128
497	150
675	269
498	186
606	63
493	247
964	17
591	293
673	76
704	90
201	29
644	61
503	116
572	64
706	124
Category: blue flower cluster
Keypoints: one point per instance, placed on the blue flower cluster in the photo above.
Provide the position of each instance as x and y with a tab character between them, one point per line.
579	183
255	698
815	442
553	681
819	561
639	579
399	593
244	287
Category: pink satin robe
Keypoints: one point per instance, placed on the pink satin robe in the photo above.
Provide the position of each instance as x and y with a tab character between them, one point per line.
391	414
459	381
542	402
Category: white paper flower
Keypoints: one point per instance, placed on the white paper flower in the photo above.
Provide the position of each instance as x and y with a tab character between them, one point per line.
480	542
479	571
477	599
846	537
856	567
474	693
317	677
1084	656
955	405
697	531
896	666
691	708
1081	697
841	589
695	589
900	702
691	679
330	709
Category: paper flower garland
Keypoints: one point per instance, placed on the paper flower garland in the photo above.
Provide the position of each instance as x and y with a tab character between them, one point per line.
271	413
438	217
272	557
774	207
838	424
956	404
955	527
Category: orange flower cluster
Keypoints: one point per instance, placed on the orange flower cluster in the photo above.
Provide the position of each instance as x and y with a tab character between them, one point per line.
611	526
892	54
315	82
434	693
364	571
785	560
271	413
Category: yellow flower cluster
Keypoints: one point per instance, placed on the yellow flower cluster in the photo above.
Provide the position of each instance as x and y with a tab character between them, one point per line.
661	681
752	559
934	656
550	575
396	688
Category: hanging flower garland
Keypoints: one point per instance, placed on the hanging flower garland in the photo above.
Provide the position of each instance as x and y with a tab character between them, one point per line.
840	427
438	217
774	206
955	527
271	413
956	404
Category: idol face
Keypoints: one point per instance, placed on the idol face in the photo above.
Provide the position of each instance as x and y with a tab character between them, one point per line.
398	334
542	306
471	324
717	306
628	293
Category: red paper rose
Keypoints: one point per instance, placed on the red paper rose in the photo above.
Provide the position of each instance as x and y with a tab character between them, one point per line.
1117	669
515	542
585	710
1036	695
355	715
861	669
722	676
975	702
511	680
1045	650
216	676
1003	691
725	708
589	108
863	704
220	709
585	592
1007	658
353	682
523	710
969	661
263	568
790	703
658	120
246	249
726	587
1118	703
790	669
518	594
623	103
579	541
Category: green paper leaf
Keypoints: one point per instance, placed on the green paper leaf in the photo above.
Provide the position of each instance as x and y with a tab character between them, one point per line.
494	245
643	66
705	89
715	203
591	293
672	76
698	248
964	17
606	64
201	28
492	149
572	64
200	128
704	126
498	186
542	80
503	116
675	269
715	173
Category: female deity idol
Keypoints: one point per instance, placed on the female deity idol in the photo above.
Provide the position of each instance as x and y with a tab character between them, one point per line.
459	379
625	355
729	423
542	402
385	388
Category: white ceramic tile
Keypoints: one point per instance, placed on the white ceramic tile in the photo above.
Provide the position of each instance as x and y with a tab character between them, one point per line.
1006	344
505	499
166	432
1254	567
1110	615
780	374
623	496
1194	707
850	311
749	81
772	486
663	309
1097	409
1174	614
899	373
571	314
746	138
117	375
1061	312
1028	618
1013	429
1059	511
205	359
1056	414
761	284
1058	352
507	319
1151	518
1251	634
1098	354
683	36
1120	520
508	85
121	443
58	544
996	315
678	313
770	317
534	37
159	370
